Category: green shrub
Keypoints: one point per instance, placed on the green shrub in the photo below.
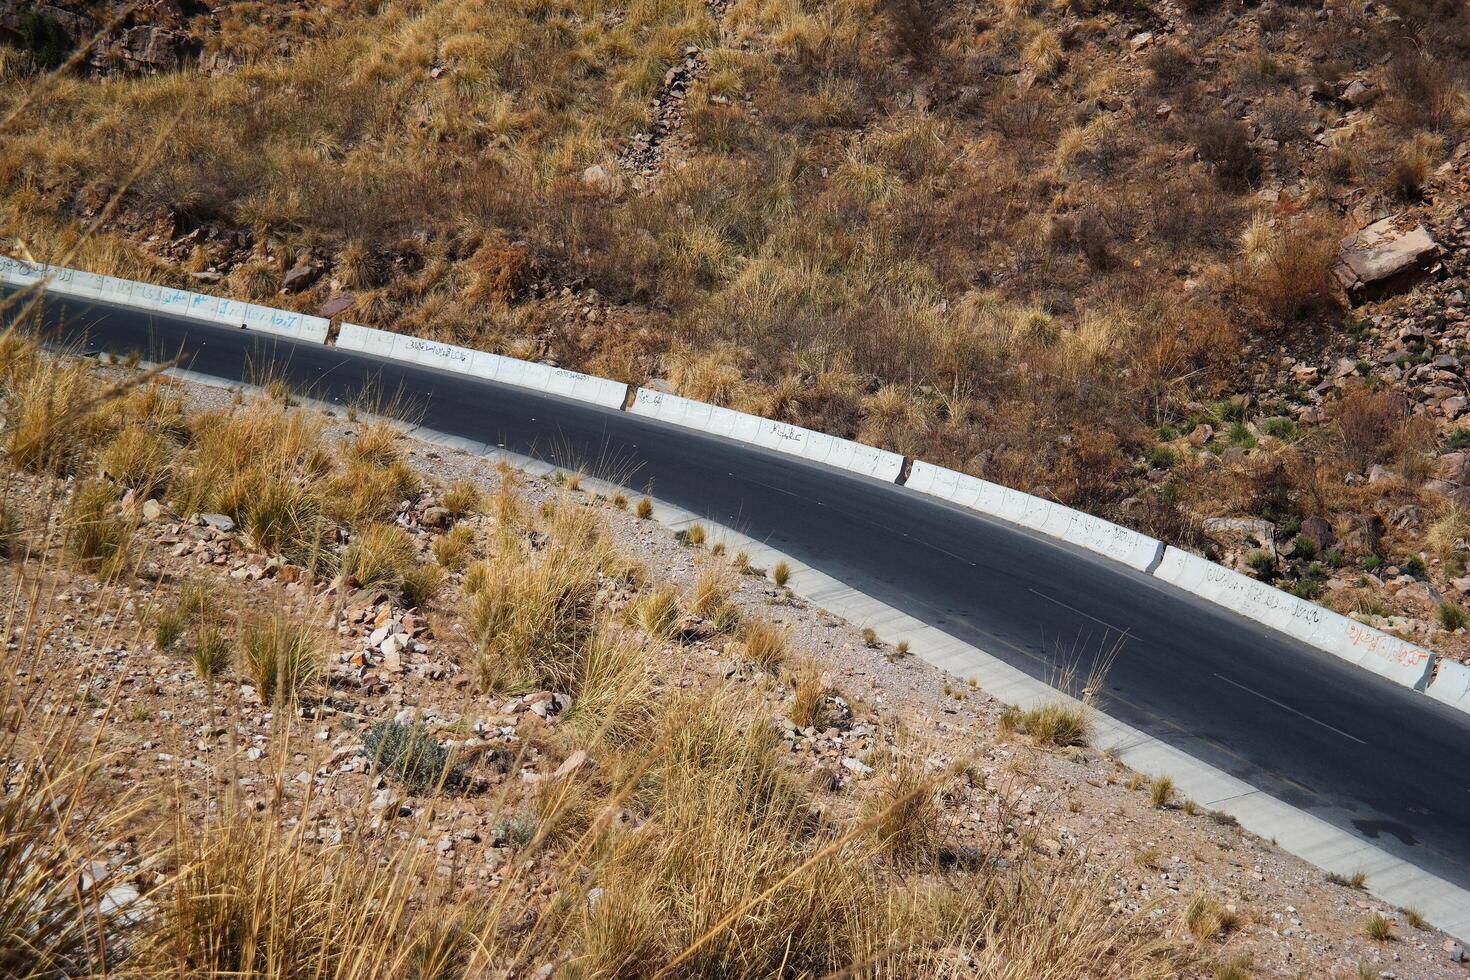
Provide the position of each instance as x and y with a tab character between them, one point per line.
281	658
97	531
409	754
1281	428
210	652
1451	616
1162	457
1304	548
1241	435
1261	562
380	554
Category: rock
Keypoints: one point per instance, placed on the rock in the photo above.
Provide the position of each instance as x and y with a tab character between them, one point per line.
853	765
602	180
1379	259
436	517
299	276
1453	467
1358	94
1454	951
1419	594
153	510
1456	493
1379	474
659	384
546	704
1201	435
218	522
1407	517
1262	532
1366	534
1319	532
573	762
336	305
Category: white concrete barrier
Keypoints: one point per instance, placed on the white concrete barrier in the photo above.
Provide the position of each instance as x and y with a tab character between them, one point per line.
1451	685
783	437
165	300
482	364
1072	526
1386	655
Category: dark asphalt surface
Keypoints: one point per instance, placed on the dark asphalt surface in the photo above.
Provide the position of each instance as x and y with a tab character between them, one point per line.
1365	755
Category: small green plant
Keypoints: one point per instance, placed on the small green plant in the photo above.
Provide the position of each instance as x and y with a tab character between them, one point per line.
1459	438
781	574
169	623
1261	562
1371	563
210	652
1280	427
1451	616
454	548
1241	435
1415	919
1412	565
1304	548
692	536
1378	928
281	658
1236	968
1334	558
409	754
379	554
97	532
515	830
726	618
1162	457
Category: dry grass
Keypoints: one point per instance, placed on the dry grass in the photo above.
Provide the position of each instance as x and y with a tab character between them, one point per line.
1055	723
379	554
765	643
281	657
711	590
454	548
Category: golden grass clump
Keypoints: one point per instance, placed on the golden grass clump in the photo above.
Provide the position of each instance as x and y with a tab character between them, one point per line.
765	643
281	658
97	531
1054	723
379	554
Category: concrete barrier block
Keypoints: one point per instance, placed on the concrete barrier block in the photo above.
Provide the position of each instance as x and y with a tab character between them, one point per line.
1451	685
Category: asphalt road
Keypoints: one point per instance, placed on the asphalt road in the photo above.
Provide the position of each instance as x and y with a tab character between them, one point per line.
1367	756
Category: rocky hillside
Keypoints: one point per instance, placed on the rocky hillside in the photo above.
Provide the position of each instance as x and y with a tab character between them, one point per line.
1194	266
277	703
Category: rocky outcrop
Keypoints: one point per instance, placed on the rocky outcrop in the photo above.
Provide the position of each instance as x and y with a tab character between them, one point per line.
147	37
1382	259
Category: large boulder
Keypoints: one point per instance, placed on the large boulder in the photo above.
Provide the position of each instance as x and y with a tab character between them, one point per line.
1382	259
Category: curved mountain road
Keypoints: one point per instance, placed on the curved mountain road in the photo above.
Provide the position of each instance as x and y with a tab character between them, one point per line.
1359	752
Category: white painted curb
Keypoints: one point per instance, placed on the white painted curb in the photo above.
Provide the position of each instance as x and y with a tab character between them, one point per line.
164	299
818	447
